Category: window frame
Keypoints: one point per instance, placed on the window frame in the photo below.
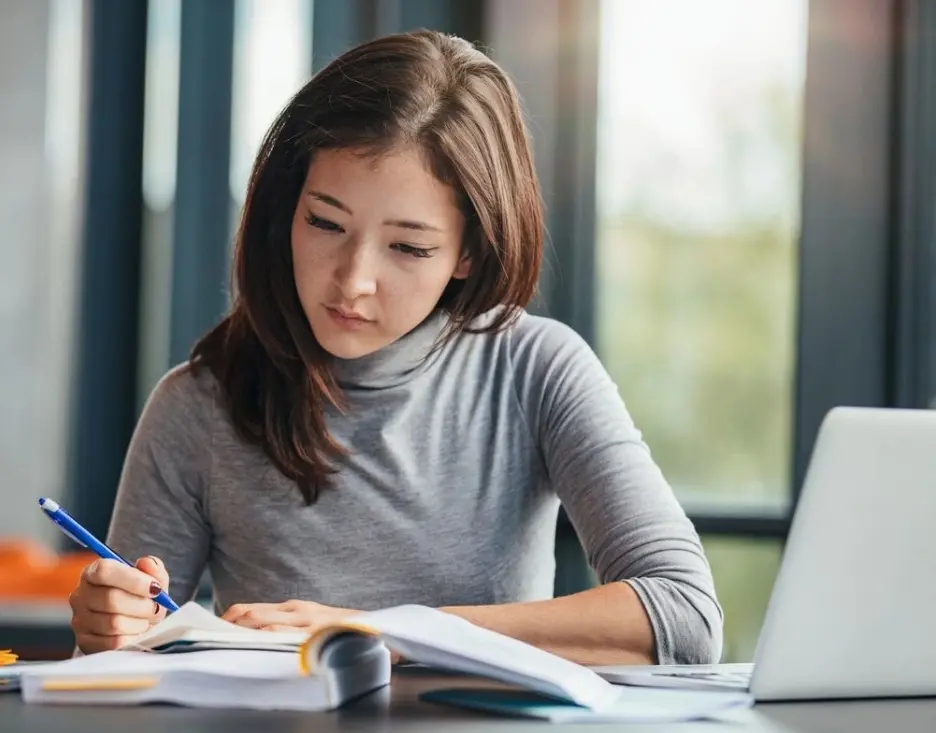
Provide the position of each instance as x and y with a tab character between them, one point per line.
201	237
106	344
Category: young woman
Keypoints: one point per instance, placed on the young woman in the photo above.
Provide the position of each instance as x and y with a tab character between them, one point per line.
377	420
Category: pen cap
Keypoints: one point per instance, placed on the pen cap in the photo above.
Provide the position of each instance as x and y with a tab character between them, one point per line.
54	511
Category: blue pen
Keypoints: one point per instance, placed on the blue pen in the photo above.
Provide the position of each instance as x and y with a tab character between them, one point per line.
84	538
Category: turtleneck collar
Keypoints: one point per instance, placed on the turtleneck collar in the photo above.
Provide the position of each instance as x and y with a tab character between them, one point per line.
394	364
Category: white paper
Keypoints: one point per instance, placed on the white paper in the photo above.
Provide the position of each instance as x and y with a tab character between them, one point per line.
658	705
734	677
193	623
224	662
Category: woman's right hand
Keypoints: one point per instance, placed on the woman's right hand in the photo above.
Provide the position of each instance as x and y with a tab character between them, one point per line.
113	603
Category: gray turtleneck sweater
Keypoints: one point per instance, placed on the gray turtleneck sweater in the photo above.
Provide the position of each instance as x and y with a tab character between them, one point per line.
449	496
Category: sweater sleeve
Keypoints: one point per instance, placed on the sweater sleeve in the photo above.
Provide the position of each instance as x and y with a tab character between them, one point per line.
161	499
625	513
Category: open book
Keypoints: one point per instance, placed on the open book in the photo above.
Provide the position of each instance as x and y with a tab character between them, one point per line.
195	658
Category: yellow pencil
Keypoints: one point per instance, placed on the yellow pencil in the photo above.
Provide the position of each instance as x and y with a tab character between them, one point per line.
64	684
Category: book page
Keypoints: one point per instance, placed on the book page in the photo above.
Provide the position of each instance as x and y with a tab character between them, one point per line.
193	623
121	663
443	640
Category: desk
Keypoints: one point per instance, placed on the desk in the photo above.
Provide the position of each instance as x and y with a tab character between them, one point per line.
397	708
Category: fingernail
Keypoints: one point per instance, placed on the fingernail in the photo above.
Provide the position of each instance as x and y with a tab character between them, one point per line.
155	588
154	559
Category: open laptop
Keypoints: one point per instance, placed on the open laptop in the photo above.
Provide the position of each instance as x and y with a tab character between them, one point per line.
853	609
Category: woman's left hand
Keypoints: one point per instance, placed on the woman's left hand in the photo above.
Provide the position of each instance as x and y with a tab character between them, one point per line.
288	616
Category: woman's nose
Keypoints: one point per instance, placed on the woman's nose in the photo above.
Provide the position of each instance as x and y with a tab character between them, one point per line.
356	273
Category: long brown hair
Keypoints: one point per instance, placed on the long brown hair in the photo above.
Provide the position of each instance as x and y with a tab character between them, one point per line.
422	88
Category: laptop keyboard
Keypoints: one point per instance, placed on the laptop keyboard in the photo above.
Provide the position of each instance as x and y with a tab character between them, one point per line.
731	678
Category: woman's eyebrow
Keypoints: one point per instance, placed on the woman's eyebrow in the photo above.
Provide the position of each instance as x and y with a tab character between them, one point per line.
418	226
330	200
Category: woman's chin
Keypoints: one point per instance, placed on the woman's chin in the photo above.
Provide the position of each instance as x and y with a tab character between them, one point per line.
347	345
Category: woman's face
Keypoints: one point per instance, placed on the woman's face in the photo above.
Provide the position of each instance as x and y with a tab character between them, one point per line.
375	240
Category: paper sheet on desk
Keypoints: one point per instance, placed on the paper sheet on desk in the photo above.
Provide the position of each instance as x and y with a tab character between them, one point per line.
635	705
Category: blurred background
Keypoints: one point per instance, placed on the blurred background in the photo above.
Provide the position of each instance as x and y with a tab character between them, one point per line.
741	206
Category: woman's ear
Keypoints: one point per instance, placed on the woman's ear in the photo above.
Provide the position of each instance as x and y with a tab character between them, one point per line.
463	268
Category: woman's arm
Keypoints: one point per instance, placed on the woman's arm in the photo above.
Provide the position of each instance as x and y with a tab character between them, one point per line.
657	598
603	625
160	505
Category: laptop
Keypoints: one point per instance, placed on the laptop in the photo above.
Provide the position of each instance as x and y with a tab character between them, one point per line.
852	613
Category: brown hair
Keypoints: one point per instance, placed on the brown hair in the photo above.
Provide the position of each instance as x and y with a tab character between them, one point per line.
423	88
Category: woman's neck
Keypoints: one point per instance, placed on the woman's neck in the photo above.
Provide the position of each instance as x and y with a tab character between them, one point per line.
394	364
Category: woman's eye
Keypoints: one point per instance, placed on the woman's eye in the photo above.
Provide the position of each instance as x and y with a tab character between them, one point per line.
409	249
324	224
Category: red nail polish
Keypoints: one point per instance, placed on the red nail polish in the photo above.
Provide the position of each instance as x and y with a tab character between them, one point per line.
155	588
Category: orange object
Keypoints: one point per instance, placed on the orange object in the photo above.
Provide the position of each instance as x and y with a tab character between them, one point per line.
102	683
7	657
29	571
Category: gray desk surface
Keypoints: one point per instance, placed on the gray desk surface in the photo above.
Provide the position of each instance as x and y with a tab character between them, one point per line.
397	709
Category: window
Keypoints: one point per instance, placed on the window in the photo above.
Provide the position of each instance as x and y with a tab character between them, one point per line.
744	571
272	60
697	197
160	147
699	139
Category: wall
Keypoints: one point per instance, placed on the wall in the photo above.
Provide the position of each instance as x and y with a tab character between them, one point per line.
39	134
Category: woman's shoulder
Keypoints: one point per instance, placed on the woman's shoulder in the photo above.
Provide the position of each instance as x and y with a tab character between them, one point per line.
185	395
546	361
533	339
545	357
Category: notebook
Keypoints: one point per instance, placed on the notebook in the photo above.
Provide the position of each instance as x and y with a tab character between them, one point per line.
195	658
634	705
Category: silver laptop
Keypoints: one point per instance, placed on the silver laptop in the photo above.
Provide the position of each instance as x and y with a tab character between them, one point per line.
853	610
